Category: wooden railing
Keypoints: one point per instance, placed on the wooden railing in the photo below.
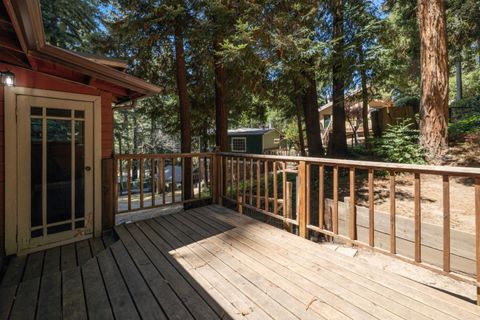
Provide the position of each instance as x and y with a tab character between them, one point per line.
302	193
145	181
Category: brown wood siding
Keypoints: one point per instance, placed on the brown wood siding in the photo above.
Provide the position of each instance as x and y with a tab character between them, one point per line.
107	125
2	176
31	79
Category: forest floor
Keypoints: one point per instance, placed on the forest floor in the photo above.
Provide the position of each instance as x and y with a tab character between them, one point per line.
462	191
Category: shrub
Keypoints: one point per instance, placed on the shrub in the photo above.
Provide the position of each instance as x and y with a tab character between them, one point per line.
400	143
465	126
411	101
470	103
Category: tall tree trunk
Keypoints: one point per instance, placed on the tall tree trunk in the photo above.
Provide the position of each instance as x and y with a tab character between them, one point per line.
221	111
338	146
363	76
298	109
185	132
434	78
458	79
312	121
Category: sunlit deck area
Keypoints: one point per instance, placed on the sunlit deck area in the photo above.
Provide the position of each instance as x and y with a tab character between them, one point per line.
212	263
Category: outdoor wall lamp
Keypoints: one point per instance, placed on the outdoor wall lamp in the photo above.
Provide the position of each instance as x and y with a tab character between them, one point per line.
7	78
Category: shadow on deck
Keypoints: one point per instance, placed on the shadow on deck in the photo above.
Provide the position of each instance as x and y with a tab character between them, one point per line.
212	263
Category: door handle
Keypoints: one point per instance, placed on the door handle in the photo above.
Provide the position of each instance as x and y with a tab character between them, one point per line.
88	168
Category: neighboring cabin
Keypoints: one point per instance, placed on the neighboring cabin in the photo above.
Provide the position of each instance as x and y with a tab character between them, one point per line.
253	140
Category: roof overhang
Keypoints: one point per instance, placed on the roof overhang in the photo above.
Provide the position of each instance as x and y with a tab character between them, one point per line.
27	21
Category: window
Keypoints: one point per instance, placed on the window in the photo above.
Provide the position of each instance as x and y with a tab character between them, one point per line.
276	140
239	144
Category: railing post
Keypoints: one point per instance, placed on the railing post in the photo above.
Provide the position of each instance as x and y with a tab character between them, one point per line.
477	234
216	180
302	194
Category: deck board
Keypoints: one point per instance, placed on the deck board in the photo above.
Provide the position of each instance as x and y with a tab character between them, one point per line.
212	263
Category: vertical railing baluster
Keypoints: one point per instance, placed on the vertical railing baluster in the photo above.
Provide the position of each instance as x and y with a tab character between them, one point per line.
258	184
244	193
200	176
163	186
152	177
302	199
353	209
251	182
477	234
446	223
141	181
371	212
393	229
275	188
321	202
192	186
173	181
184	178
418	220
237	181
265	182
307	196
116	165
335	200
284	188
232	177
129	182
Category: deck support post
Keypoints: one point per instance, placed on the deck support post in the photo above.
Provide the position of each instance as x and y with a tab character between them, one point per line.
302	203
216	180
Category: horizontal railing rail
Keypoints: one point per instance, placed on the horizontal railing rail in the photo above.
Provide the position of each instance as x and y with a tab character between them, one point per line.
281	187
145	181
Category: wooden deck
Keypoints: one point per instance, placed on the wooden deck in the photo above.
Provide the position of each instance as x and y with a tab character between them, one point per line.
212	263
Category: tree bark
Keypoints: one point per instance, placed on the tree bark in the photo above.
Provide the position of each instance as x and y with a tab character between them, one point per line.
434	78
312	121
458	79
338	145
363	76
298	109
185	131
221	109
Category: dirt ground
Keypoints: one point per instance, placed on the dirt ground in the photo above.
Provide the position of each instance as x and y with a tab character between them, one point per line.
462	191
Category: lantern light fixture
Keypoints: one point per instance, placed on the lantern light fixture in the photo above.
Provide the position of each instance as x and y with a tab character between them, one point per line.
7	78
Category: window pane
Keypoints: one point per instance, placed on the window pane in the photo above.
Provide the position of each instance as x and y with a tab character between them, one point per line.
59	113
36	171
239	144
79	169
79	114
59	174
36	111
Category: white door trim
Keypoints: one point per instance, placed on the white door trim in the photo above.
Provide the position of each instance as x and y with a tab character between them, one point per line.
11	204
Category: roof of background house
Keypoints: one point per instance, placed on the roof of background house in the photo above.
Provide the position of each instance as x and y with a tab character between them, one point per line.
250	131
24	39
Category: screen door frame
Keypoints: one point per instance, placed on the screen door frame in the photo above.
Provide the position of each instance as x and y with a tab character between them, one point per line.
16	238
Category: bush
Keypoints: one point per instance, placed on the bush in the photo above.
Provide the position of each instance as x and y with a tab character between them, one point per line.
400	143
470	103
465	126
411	101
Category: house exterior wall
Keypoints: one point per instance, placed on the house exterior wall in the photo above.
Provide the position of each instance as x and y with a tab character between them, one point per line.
31	79
269	140
254	143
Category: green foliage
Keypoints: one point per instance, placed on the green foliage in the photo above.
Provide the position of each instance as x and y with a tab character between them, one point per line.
72	24
465	126
473	103
400	144
412	101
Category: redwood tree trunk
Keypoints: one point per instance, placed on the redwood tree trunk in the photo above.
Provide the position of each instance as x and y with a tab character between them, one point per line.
338	145
312	121
434	78
298	108
363	76
221	111
185	132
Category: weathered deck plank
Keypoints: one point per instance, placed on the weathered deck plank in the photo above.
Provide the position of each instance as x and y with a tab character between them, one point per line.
445	303
212	263
120	299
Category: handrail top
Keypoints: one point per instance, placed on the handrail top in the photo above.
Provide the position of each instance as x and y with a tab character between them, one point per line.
395	167
126	156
